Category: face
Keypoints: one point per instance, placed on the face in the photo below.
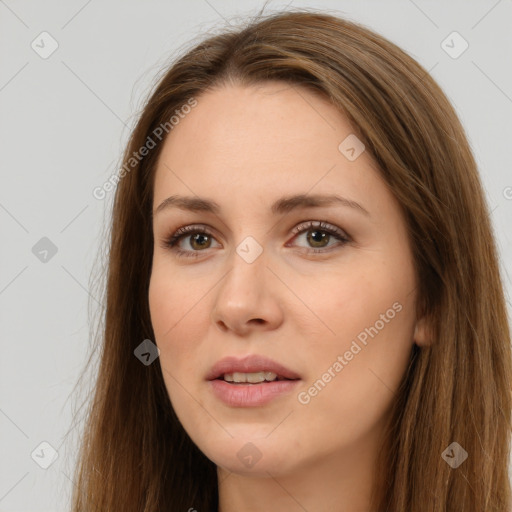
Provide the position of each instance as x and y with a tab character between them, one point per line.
322	293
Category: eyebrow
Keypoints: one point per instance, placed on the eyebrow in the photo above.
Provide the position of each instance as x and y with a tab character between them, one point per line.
279	207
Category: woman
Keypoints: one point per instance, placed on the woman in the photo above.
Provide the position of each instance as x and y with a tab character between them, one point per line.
304	305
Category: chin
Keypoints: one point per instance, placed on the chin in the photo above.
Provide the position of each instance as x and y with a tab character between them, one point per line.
252	456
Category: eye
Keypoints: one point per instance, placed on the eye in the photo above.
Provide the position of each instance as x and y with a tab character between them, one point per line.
318	234
197	236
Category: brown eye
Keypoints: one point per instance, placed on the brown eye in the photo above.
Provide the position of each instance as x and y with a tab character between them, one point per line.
201	239
318	238
319	234
198	238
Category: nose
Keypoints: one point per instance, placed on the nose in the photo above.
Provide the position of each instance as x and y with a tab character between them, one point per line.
248	298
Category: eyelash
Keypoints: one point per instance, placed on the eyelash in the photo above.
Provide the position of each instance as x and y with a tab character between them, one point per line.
338	234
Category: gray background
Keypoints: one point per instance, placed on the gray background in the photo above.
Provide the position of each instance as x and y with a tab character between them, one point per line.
64	121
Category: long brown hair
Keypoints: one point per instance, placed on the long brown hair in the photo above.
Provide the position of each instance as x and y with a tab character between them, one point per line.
135	456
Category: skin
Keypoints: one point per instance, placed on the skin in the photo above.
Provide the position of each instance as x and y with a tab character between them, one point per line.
245	147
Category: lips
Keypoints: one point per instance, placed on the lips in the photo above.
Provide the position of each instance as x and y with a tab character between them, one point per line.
246	394
250	364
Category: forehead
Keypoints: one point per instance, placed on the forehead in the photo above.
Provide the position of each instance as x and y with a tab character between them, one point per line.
265	118
272	138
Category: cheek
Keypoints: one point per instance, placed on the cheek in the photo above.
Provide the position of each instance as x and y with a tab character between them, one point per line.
353	383
172	311
175	317
370	313
180	311
348	299
161	290
174	300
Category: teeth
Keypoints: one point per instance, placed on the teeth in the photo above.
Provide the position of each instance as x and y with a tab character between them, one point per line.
252	378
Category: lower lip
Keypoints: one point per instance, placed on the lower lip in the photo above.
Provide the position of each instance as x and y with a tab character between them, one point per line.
250	395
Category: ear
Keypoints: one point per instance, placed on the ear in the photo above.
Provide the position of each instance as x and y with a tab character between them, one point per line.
422	333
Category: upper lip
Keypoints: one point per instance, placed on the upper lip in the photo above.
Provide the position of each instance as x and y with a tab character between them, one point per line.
249	364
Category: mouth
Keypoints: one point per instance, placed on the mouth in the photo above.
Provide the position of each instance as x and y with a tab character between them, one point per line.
252	378
251	369
253	381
